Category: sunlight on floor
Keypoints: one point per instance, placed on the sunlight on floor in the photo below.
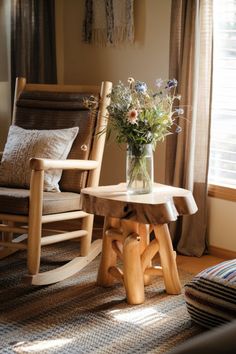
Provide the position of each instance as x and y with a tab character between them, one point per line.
139	316
39	345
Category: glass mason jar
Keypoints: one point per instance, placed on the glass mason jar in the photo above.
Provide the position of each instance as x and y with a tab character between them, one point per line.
139	169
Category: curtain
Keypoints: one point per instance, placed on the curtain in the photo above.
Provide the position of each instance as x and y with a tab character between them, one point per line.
33	46
4	74
187	152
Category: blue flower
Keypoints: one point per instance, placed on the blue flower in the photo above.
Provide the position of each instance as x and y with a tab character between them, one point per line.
172	83
140	87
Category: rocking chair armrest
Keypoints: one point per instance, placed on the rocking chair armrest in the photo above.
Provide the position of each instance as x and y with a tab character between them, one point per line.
48	164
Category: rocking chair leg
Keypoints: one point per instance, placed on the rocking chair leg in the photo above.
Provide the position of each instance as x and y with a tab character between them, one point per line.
85	244
34	250
8	236
35	222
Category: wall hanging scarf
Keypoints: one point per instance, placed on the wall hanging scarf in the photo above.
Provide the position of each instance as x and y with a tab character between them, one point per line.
108	22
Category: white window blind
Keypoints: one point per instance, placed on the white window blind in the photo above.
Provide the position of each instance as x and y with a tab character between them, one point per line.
222	169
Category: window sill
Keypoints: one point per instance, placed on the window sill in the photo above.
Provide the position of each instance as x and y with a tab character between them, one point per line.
221	192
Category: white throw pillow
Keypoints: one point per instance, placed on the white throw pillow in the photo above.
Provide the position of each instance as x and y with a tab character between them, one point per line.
23	144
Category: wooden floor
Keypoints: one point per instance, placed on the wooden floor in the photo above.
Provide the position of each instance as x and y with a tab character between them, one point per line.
196	264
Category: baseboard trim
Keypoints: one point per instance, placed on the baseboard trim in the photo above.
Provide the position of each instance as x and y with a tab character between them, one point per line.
221	252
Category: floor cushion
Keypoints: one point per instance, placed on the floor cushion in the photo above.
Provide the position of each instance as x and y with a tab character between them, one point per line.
211	295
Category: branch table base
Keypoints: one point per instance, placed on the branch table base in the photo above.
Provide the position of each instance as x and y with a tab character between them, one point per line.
129	219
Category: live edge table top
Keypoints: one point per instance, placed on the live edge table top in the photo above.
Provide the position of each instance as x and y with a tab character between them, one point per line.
163	205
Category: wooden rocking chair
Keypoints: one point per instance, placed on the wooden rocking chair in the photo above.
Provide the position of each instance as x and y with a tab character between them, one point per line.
26	211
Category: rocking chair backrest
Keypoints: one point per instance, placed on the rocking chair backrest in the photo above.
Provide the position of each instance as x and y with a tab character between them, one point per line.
57	107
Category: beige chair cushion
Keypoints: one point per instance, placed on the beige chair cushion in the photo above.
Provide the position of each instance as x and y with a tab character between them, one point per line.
16	201
23	144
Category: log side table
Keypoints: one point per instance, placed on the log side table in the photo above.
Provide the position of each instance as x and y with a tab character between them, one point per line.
129	219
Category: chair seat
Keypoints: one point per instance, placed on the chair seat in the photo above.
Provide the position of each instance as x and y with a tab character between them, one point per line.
14	200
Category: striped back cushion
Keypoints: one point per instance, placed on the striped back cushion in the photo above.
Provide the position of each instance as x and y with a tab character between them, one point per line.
59	110
211	295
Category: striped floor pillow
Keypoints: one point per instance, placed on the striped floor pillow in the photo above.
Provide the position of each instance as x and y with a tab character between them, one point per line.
211	295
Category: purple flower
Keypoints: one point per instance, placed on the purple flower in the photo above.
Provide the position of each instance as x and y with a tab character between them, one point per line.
178	129
171	83
140	87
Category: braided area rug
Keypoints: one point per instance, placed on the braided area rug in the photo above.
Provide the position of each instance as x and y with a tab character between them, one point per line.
77	316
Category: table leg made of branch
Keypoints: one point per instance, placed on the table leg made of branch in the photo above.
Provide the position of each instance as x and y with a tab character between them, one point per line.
127	251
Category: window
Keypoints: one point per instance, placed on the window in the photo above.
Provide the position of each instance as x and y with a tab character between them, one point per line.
222	169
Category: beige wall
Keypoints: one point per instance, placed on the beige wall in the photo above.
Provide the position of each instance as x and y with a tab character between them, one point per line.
145	60
222	224
5	105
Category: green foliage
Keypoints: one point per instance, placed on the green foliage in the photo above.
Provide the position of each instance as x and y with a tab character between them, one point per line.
139	115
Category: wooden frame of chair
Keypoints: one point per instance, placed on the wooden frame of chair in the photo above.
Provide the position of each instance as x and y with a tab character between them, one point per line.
30	227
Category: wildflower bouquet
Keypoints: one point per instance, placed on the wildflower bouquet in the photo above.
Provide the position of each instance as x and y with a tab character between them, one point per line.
141	116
